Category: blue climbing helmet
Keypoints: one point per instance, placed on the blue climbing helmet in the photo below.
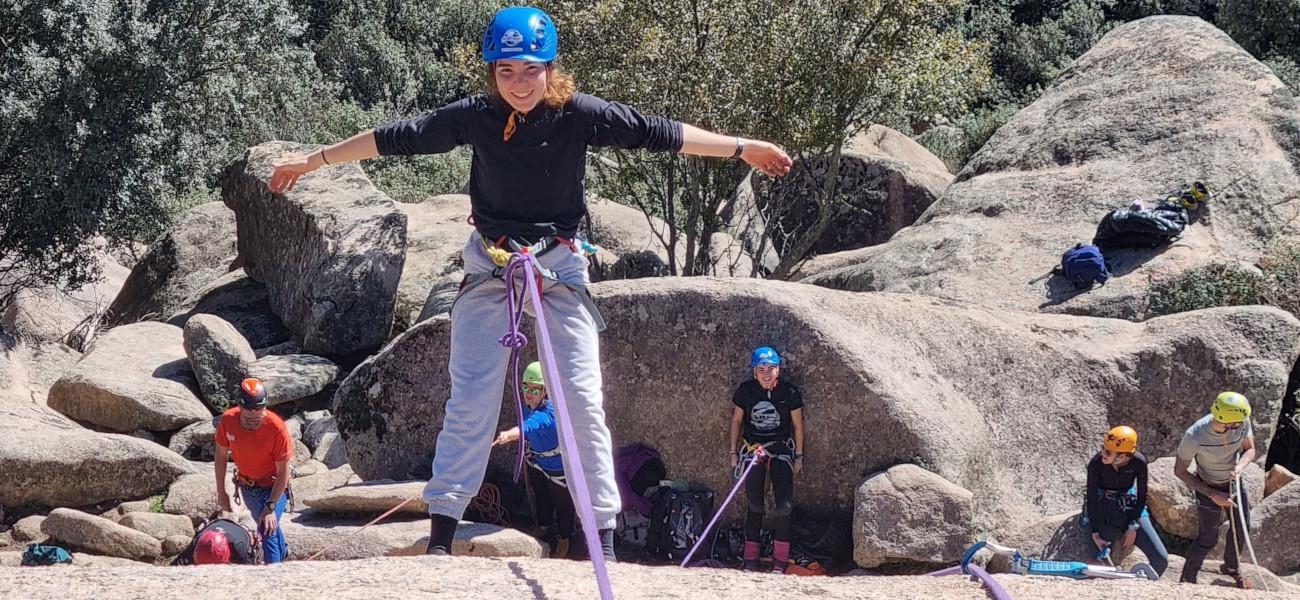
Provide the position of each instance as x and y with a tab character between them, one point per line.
764	355
521	33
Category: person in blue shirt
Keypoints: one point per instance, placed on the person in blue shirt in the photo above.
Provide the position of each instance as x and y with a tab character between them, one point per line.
552	503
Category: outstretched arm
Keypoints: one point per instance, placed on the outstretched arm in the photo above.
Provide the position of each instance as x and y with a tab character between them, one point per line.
358	147
764	156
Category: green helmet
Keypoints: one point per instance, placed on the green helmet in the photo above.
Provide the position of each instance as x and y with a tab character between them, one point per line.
1230	407
533	374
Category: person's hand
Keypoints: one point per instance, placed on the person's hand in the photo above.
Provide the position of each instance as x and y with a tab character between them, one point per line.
288	171
1101	544
1130	538
1237	470
735	459
1223	500
268	523
798	465
766	157
223	501
501	439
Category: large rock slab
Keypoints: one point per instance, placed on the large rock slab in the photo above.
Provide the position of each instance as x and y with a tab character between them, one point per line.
99	535
27	372
436	231
240	300
49	314
885	179
28	529
372	498
197	250
195	441
159	525
1275	530
309	533
330	252
1173	505
1278	477
954	385
910	514
308	488
136	377
1154	104
292	377
75	467
220	356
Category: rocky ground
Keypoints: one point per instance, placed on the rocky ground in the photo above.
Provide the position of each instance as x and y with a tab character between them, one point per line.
461	577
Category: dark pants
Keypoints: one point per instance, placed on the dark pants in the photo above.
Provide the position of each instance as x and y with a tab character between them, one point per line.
552	504
1211	517
782	474
1147	541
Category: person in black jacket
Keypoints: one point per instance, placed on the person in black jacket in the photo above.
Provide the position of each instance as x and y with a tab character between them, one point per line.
1115	502
530	134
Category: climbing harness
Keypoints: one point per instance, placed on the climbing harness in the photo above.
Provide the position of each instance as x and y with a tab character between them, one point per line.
524	262
748	450
759	453
1022	565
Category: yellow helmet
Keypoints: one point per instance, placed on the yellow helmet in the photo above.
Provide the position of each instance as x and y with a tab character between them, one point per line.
1230	407
1121	439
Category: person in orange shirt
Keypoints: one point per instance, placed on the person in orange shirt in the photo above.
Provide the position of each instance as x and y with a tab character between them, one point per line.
262	448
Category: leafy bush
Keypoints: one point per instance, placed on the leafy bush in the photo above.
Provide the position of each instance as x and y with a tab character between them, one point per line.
1276	283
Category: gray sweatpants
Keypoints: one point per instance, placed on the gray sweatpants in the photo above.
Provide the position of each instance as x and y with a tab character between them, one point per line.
478	372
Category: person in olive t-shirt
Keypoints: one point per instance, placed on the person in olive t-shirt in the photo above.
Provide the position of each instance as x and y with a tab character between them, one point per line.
770	413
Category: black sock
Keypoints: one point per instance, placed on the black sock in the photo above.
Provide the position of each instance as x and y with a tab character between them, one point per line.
607	544
442	530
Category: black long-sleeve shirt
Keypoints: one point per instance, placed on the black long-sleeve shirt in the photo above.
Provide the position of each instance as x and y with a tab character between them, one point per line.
1105	478
532	185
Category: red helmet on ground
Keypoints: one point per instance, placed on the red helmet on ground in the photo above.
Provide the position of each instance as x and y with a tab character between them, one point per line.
212	548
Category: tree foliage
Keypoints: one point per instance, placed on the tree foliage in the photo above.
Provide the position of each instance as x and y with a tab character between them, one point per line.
804	74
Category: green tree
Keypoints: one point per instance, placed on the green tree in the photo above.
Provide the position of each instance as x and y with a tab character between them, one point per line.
118	113
1265	28
805	74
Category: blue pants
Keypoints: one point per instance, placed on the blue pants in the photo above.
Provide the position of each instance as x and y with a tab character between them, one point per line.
274	548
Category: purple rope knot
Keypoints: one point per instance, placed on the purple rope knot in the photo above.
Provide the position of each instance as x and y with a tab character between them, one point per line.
514	340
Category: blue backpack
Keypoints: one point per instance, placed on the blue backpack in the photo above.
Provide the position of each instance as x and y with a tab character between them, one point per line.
40	554
1084	265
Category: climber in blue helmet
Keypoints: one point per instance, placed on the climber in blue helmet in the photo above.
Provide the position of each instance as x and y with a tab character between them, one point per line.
768	415
530	133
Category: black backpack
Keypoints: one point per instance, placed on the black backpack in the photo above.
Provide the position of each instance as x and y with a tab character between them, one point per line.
1126	228
677	521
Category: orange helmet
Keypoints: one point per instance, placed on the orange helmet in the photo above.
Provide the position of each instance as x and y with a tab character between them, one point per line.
212	548
1121	439
252	393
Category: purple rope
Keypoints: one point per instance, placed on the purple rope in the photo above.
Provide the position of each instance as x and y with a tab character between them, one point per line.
704	536
995	589
579	479
515	340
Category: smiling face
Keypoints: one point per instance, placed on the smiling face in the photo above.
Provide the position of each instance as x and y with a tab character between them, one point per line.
521	83
767	375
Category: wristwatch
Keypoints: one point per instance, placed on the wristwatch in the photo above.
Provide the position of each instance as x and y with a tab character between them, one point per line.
740	148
